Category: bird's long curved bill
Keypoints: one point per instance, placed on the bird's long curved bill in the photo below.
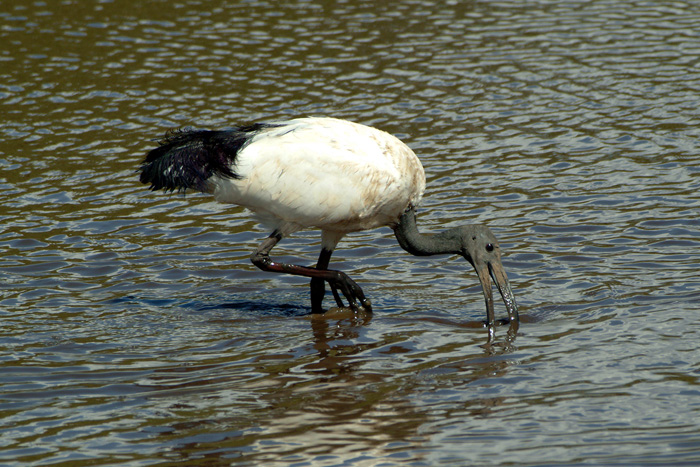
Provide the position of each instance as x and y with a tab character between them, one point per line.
496	271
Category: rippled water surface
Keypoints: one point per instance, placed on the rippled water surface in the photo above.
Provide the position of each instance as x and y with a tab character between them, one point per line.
136	332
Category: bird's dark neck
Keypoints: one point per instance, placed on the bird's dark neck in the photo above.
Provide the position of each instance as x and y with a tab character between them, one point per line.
406	231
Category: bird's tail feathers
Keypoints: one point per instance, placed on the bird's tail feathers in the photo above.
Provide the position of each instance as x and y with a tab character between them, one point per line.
188	158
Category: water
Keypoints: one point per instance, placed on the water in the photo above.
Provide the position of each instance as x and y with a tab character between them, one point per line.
136	332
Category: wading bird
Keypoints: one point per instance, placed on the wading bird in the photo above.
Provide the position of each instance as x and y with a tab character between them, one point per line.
323	173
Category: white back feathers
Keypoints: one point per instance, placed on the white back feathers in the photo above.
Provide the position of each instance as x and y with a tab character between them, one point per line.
324	173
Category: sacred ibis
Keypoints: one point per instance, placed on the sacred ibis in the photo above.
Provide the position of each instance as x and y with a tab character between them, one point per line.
324	173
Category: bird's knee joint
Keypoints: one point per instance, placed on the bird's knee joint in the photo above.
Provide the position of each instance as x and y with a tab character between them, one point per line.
261	260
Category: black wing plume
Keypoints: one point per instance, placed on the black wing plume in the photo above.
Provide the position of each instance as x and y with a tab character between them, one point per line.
188	158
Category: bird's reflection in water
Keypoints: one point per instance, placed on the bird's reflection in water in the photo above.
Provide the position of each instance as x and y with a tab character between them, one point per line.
347	321
337	324
353	388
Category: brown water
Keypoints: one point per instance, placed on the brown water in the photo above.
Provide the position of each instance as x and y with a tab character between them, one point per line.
136	332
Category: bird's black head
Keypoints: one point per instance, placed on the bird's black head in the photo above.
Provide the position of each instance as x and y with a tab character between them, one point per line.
478	244
480	247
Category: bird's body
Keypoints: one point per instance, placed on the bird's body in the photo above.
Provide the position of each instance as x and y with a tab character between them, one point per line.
323	173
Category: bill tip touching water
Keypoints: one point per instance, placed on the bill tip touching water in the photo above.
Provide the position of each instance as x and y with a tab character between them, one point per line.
328	174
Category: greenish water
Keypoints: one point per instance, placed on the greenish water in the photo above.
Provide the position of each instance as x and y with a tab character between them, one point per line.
135	331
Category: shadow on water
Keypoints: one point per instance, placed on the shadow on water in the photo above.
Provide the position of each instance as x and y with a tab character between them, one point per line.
260	307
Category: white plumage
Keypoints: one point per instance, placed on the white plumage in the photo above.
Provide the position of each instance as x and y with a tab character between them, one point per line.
323	173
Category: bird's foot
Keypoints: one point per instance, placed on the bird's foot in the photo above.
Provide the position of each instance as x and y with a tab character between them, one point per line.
353	293
341	284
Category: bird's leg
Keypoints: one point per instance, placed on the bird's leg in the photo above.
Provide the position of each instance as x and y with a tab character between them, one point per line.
318	286
352	292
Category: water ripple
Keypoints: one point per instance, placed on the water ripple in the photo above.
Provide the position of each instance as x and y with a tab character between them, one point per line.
135	330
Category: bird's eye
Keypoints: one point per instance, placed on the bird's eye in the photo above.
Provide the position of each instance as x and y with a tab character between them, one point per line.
489	247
